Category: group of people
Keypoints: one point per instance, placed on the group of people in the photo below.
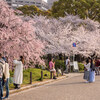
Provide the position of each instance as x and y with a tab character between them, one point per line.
5	75
52	66
91	66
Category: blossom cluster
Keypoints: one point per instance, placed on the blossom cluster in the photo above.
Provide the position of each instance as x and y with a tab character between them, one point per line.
17	36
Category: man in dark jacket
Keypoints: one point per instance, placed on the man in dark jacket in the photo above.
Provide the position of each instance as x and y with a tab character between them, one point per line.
2	68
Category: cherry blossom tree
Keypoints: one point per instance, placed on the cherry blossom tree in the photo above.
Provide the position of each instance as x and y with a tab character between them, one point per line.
17	36
59	34
27	36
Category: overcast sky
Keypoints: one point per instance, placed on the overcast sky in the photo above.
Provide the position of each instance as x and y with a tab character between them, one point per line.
45	0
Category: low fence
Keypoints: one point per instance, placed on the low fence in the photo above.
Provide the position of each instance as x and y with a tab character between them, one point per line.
51	75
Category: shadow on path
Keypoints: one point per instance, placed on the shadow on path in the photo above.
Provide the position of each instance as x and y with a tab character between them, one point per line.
97	81
62	84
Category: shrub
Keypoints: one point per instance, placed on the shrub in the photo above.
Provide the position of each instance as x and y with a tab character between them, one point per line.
81	66
59	64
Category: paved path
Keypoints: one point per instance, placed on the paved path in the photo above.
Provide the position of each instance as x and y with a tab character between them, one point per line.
73	88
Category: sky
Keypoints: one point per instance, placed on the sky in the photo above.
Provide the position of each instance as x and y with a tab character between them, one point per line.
45	0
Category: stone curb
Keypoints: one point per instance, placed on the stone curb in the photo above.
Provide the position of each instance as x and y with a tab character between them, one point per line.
42	83
36	85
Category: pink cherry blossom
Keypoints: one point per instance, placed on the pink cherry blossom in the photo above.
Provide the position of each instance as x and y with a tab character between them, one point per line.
59	35
17	37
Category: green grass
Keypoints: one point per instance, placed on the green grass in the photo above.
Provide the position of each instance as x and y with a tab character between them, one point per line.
81	67
36	76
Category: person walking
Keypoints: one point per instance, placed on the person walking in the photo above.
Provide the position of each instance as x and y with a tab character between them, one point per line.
92	72
2	69
7	75
67	65
18	74
86	70
52	68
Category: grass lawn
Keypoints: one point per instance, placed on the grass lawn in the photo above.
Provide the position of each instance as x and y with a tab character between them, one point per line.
81	67
36	76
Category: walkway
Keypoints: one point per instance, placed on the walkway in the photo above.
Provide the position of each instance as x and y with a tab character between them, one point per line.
73	88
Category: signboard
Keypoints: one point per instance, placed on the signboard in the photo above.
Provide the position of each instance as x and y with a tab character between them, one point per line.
75	66
74	44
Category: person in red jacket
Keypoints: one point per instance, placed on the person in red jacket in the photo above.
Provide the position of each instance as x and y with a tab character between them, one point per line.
97	65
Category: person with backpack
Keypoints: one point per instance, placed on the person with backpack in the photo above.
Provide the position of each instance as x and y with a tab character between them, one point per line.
2	69
7	75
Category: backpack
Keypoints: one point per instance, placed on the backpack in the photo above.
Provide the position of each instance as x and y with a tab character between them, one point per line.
1	69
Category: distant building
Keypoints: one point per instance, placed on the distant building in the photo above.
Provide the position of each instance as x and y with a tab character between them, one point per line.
39	3
18	3
50	3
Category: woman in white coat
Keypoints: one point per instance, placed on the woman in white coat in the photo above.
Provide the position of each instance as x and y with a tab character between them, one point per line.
18	74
